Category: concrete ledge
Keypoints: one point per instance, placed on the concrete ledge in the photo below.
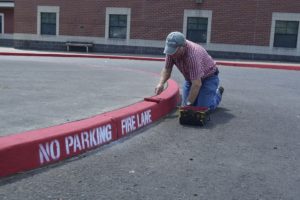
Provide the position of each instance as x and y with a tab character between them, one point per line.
6	43
150	47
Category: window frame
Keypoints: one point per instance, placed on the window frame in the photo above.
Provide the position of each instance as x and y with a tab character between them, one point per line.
202	14
47	9
117	11
2	23
284	17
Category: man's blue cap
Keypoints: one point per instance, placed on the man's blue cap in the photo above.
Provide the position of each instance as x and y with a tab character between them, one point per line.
173	41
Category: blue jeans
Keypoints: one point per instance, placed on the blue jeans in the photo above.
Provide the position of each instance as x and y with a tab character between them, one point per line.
209	95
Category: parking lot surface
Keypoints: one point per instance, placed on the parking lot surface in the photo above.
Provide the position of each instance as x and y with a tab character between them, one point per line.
249	149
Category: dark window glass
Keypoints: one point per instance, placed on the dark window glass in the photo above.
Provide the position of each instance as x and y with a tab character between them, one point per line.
117	26
48	23
197	29
286	34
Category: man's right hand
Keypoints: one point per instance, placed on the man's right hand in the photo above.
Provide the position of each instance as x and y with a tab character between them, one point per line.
164	76
159	88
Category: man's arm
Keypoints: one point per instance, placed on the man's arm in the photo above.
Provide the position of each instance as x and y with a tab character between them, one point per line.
196	85
164	76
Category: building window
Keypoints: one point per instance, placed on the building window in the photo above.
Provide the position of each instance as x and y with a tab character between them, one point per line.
48	20
286	34
285	31
48	23
117	26
197	25
197	29
1	23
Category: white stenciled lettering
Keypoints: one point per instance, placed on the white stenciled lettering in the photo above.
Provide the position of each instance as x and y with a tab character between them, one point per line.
128	124
108	133
49	151
147	117
93	141
68	142
104	134
77	144
44	153
144	118
85	140
55	150
88	139
101	133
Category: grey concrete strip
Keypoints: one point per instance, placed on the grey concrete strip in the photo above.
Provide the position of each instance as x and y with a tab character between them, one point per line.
235	61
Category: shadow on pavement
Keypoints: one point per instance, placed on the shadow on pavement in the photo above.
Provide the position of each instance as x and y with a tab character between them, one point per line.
218	117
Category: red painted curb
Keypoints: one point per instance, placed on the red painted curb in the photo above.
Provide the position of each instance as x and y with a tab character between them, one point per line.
37	148
81	56
260	65
224	63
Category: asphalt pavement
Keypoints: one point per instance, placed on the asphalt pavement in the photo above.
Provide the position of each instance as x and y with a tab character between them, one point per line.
249	149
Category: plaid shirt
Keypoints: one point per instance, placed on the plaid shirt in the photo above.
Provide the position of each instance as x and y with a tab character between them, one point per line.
195	64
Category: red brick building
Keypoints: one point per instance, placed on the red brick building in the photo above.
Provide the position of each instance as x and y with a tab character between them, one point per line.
250	29
6	17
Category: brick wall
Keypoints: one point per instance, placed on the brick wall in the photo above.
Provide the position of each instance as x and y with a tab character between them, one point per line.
8	19
246	22
151	19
